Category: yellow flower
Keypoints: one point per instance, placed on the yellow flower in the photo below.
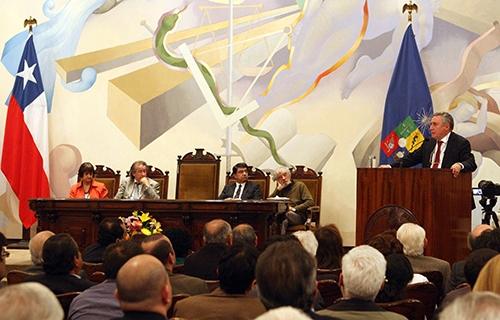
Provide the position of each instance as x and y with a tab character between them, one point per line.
146	231
144	217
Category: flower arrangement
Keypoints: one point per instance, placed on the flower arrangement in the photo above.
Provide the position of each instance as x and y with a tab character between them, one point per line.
141	222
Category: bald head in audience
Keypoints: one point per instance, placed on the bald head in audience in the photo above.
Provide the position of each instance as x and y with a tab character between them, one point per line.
245	233
143	285
217	231
29	301
36	246
476	232
159	246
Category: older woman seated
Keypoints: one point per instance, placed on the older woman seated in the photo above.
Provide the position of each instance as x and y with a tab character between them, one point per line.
87	187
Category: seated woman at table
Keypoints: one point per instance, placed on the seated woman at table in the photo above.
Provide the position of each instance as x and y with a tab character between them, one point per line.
87	187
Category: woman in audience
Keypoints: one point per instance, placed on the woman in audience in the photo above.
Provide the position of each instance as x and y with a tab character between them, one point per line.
330	247
387	243
489	277
87	187
398	274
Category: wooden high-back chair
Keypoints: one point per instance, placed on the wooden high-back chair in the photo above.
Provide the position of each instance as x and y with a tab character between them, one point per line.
197	176
313	181
162	178
109	177
257	176
389	217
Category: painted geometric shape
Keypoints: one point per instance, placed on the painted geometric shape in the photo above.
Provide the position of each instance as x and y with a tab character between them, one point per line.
414	140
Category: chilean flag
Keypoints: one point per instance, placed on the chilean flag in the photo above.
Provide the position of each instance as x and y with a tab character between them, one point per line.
25	146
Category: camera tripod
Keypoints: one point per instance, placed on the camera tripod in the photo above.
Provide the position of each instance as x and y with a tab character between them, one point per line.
488	204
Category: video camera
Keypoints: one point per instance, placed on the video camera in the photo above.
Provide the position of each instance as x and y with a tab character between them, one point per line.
489	189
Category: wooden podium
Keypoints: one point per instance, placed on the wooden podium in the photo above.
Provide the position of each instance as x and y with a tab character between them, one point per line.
440	202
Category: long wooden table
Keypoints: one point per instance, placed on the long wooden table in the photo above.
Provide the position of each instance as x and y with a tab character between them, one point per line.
80	217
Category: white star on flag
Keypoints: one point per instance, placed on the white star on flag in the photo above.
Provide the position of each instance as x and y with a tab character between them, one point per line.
27	73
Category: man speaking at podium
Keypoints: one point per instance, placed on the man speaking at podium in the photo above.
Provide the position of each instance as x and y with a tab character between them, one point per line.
445	149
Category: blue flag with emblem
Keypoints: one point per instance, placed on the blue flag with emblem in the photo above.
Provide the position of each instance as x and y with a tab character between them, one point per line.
408	105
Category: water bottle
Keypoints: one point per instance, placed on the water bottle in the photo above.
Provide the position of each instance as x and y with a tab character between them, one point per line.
372	161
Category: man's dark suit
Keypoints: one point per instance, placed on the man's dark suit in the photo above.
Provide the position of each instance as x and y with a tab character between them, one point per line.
250	192
457	150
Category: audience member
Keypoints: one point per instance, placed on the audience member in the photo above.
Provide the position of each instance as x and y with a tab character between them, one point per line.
244	233
143	289
412	236
87	187
308	241
297	193
330	247
36	247
181	242
231	300
62	262
159	246
398	274
457	276
110	231
29	301
217	236
475	263
98	302
3	255
489	277
474	305
138	185
363	273
386	242
241	189
286	276
488	239
283	313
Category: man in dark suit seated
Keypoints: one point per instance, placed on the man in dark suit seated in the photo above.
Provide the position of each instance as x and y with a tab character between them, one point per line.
143	289
445	149
242	189
62	262
159	246
110	231
286	276
217	237
232	300
99	301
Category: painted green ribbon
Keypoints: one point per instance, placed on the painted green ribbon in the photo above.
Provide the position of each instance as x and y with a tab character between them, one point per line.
167	23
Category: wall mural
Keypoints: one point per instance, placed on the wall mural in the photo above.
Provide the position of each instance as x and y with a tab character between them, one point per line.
309	84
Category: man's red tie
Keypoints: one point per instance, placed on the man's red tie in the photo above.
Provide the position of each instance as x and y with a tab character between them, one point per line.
437	159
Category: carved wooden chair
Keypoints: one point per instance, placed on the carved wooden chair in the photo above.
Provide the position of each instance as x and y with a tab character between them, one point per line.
97	277
65	300
257	176
90	268
328	274
17	276
436	277
162	178
109	177
197	176
389	217
330	291
412	309
425	292
313	180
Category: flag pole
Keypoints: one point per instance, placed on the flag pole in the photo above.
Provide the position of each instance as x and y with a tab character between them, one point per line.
410	7
30	22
